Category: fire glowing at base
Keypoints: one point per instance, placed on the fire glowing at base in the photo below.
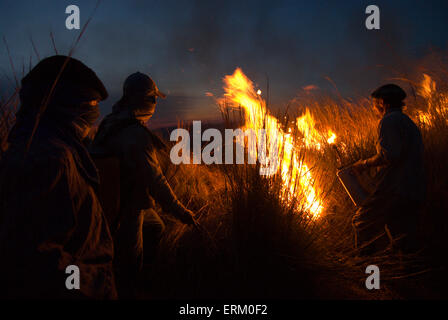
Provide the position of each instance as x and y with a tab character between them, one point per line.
296	176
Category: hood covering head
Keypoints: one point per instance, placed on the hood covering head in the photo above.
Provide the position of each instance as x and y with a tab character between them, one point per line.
68	71
139	97
141	84
59	92
136	106
58	98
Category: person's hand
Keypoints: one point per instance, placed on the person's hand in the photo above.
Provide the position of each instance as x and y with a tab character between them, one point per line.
187	217
360	165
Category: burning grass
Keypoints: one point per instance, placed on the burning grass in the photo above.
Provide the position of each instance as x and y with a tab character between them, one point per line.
281	235
289	235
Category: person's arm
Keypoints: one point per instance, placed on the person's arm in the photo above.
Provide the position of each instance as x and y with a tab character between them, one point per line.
375	161
390	144
389	147
155	181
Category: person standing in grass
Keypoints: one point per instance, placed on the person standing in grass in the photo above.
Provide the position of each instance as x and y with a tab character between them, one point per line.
392	210
50	215
123	135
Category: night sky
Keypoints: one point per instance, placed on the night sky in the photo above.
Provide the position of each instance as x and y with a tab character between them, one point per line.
188	46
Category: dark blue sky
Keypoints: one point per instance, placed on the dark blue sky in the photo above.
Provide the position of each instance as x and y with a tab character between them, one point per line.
188	46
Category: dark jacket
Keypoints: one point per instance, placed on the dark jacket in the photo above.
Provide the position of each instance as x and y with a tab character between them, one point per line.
50	216
122	135
400	156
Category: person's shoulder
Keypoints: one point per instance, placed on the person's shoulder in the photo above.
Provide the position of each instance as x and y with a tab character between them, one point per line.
53	154
399	118
392	118
43	164
137	136
395	121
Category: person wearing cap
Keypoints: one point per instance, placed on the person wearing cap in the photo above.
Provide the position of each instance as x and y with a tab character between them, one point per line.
50	216
393	208
123	135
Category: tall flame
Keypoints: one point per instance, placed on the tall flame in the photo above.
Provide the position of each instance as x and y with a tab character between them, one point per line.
427	86
428	90
295	174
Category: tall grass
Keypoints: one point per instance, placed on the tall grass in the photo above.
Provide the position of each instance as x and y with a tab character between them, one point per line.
264	246
254	243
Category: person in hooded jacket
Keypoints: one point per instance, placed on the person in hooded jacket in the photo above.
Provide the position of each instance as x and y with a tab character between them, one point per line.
51	221
123	135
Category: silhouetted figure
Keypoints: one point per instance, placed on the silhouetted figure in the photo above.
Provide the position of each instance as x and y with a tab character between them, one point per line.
393	208
50	214
123	135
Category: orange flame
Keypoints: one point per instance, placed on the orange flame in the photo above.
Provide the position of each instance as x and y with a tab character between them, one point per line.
295	174
428	90
332	138
427	86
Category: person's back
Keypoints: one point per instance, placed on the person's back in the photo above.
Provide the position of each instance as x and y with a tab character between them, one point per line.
51	217
402	143
123	135
140	172
394	206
